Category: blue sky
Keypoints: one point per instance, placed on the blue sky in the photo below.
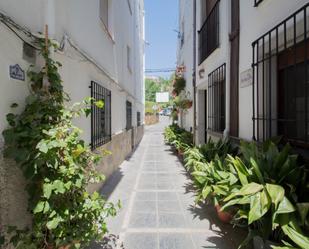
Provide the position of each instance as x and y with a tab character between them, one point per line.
161	18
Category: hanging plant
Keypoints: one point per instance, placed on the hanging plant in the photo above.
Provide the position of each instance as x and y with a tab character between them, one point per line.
179	85
57	165
183	101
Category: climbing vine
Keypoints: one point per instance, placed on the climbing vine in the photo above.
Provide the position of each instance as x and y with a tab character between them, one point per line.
57	164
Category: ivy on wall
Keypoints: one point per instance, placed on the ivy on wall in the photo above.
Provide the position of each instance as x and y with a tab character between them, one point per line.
57	164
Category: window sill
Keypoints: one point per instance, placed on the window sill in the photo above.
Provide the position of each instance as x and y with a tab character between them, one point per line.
215	133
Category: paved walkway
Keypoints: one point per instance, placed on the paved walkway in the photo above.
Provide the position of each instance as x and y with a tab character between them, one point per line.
158	203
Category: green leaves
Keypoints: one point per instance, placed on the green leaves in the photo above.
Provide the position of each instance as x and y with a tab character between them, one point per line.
298	238
260	204
276	193
53	223
42	206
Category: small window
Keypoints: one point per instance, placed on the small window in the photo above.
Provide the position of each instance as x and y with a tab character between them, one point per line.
100	117
257	2
129	115
216	100
129	59
138	115
104	12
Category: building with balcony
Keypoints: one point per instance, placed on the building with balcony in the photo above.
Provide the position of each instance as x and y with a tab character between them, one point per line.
251	70
102	56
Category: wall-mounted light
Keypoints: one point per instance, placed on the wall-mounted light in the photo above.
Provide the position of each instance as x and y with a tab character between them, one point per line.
201	73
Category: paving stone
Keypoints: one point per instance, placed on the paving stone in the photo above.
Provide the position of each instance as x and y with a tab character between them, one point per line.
141	241
146	196
167	196
145	207
142	220
169	206
171	220
175	241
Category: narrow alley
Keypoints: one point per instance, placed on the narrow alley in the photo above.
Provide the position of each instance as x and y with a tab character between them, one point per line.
158	208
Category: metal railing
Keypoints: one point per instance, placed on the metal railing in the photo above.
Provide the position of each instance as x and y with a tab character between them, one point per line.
209	34
100	117
216	99
280	81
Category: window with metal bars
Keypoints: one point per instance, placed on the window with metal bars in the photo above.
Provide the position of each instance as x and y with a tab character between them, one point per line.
216	99
138	116
129	115
100	117
209	32
280	81
257	2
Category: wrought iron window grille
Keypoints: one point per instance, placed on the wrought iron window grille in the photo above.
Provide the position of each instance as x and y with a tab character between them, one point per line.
280	81
100	117
216	99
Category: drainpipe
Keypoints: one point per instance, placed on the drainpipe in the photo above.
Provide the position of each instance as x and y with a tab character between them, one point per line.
194	72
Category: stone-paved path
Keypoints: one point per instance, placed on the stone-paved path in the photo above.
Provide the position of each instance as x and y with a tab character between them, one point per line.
158	203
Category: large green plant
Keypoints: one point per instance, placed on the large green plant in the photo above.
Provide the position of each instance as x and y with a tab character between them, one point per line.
214	180
221	148
207	152
271	180
58	166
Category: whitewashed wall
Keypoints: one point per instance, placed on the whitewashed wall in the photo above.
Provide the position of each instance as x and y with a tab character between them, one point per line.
254	22
80	20
185	54
220	56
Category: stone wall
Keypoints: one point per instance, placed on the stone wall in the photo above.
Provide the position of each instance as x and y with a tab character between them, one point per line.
151	119
13	197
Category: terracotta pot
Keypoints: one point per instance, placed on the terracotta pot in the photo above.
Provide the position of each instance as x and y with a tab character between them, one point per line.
180	152
224	216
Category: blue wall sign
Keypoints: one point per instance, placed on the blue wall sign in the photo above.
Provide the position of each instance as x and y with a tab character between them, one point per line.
17	73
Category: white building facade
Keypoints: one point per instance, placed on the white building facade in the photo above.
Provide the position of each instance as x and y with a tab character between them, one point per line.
185	56
252	70
102	54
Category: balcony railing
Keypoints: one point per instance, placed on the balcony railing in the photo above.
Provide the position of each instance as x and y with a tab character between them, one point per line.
209	34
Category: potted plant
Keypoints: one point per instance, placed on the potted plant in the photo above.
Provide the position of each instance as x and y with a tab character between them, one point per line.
213	180
270	180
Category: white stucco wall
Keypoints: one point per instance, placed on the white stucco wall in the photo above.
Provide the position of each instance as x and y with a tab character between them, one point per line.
217	58
80	20
185	54
254	22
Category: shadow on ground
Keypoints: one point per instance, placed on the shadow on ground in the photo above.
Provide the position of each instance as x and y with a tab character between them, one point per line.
110	241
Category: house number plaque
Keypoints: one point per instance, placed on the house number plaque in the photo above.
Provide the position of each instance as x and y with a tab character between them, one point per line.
17	73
